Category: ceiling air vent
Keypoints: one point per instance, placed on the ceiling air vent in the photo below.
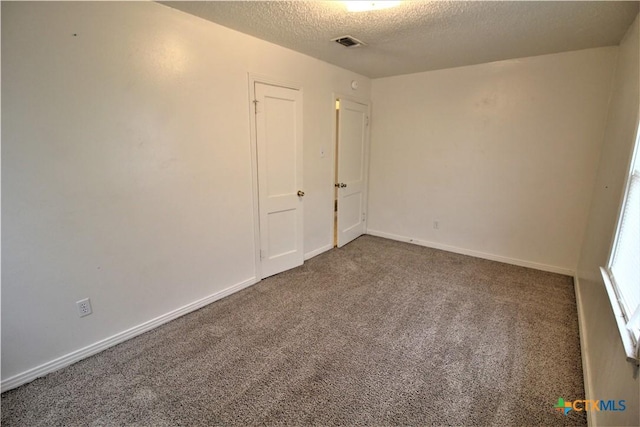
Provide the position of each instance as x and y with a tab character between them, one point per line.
348	41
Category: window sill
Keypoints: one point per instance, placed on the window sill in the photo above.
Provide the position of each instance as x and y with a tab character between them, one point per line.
625	334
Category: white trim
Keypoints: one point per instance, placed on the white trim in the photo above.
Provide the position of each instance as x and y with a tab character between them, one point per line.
477	254
254	176
318	251
356	99
261	78
621	321
90	350
586	366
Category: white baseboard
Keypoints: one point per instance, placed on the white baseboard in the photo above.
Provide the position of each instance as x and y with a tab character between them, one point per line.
477	254
75	356
318	251
586	372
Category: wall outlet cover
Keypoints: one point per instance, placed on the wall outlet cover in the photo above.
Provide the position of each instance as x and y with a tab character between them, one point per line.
84	307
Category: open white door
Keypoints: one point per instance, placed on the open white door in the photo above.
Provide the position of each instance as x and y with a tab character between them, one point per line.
279	148
352	175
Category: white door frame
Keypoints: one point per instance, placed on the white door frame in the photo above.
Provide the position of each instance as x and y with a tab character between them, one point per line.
335	97
253	79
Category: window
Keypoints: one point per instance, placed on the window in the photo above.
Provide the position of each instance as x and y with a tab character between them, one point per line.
622	274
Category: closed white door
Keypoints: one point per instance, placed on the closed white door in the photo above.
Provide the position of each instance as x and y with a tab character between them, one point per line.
280	198
353	122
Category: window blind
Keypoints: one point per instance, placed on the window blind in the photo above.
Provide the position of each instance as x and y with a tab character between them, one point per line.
625	263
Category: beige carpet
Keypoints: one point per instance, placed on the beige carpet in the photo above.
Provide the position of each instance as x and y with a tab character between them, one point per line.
376	333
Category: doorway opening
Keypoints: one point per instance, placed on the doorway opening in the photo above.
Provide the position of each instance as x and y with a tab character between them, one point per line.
351	170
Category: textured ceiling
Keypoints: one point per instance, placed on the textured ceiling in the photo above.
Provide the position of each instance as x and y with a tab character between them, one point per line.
424	35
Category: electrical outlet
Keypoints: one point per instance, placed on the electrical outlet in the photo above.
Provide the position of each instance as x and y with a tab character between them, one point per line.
84	307
436	225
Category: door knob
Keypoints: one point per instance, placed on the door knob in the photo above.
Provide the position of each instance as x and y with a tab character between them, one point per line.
343	185
300	193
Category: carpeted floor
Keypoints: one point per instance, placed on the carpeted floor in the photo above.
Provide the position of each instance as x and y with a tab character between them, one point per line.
376	333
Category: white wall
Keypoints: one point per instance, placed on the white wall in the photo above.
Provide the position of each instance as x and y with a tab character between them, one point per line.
126	166
606	371
503	155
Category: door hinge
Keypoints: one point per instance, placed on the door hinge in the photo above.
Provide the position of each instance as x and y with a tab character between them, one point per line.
367	120
364	216
262	254
255	106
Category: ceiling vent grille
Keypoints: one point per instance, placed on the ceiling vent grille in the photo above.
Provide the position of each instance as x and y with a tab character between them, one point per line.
348	41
